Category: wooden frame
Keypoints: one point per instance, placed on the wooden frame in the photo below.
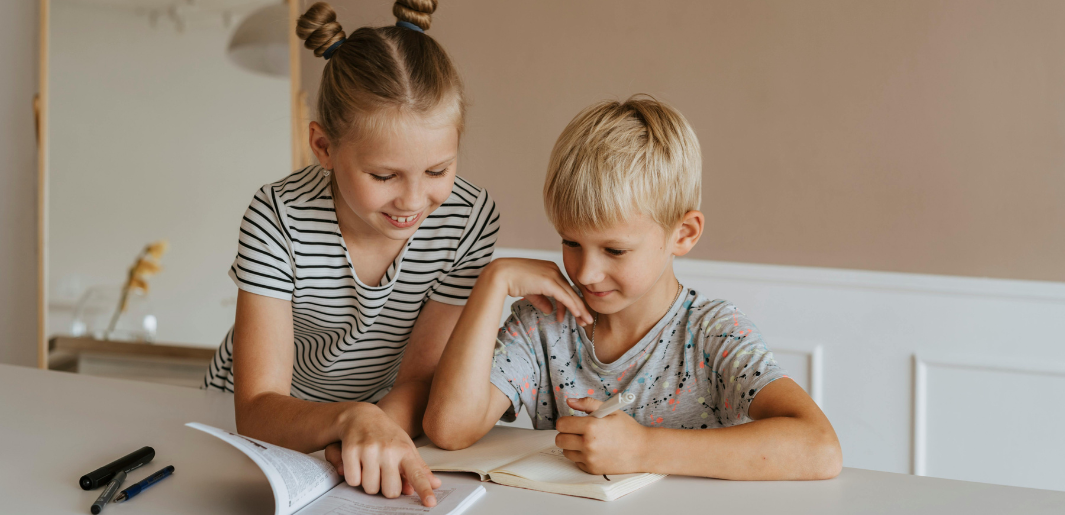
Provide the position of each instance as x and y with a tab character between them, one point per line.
41	112
300	154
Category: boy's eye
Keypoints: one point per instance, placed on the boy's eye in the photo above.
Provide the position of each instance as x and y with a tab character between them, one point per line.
571	244
382	178
615	252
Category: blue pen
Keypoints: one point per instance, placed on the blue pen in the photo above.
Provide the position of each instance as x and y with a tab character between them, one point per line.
143	484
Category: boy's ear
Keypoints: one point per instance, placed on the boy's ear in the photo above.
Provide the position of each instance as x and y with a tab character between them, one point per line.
688	231
321	146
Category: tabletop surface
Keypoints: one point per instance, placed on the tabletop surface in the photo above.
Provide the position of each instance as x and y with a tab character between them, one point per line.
56	426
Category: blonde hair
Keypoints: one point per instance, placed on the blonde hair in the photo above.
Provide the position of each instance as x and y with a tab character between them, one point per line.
618	159
380	73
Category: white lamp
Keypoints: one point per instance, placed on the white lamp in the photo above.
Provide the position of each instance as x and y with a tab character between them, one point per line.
260	43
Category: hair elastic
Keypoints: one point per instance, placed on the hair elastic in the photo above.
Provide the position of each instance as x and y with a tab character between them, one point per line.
409	25
332	49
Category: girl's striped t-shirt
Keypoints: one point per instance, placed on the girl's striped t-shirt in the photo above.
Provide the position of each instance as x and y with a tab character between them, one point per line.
349	337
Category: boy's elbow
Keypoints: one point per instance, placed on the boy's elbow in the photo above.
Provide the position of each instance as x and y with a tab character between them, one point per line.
828	457
445	435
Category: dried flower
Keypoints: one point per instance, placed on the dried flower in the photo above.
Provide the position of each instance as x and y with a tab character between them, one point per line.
147	264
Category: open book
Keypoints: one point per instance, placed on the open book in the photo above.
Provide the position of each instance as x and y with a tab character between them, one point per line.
528	458
308	485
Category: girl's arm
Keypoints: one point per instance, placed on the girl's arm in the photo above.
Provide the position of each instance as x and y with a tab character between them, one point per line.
379	454
463	403
789	439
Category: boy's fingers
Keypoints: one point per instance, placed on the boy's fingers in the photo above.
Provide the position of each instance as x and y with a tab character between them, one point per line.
568	441
572	425
418	475
574	456
585	404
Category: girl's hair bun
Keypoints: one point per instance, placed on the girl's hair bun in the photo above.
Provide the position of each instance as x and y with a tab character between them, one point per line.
318	28
418	12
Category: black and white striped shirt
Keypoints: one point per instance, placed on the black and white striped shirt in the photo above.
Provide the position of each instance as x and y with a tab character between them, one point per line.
350	337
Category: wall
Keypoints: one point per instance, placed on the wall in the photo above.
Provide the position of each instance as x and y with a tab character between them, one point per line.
18	183
155	134
914	136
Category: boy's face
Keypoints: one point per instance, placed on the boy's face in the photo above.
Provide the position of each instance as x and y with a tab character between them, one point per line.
616	267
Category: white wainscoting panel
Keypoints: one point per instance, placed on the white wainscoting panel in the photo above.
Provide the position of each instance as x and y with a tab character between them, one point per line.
993	420
859	331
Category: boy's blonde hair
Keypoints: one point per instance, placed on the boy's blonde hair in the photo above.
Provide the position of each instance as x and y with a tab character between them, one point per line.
618	159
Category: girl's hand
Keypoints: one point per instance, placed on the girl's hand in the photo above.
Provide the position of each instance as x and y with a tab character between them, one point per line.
613	444
536	280
378	455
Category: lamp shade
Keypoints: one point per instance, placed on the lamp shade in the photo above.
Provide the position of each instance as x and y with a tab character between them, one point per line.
260	42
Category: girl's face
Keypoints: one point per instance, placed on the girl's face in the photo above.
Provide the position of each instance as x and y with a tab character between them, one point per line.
391	182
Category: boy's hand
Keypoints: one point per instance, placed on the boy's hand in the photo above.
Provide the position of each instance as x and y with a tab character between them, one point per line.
536	280
613	444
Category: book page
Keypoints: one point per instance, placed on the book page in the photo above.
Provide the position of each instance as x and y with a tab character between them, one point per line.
347	500
296	478
499	447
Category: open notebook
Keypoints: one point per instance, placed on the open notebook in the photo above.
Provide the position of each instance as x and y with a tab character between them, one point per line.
306	485
528	458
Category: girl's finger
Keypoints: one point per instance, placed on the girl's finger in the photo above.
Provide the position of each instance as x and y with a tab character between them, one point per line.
418	475
352	466
334	457
539	302
371	471
391	482
407	489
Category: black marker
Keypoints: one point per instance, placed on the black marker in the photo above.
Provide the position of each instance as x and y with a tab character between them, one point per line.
108	493
126	463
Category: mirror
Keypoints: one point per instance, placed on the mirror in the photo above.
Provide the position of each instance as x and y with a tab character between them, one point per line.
161	126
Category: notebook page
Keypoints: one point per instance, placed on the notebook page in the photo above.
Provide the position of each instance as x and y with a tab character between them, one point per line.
499	447
550	466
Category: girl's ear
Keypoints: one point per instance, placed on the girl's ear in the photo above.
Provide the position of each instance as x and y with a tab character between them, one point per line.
687	233
321	146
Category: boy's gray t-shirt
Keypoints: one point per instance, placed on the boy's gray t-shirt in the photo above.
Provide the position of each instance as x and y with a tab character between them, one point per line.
699	367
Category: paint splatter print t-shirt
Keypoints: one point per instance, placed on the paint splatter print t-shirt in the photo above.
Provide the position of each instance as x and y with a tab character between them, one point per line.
699	367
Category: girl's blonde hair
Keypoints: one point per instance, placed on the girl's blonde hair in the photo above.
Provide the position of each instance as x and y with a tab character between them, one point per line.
379	74
617	159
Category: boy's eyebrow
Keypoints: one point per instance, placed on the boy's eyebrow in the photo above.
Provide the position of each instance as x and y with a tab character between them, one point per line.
441	163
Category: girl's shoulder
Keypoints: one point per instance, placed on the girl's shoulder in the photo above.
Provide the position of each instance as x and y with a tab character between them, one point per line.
466	194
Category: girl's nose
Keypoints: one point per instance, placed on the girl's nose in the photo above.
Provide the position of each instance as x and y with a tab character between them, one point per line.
412	196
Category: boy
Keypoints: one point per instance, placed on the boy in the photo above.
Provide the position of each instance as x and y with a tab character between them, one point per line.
623	191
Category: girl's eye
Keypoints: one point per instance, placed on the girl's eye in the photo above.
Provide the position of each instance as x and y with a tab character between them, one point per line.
615	252
382	178
438	173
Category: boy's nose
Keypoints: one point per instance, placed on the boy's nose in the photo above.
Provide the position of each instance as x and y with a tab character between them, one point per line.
590	272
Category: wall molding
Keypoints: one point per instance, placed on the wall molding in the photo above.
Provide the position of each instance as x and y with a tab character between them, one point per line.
922	362
1040	291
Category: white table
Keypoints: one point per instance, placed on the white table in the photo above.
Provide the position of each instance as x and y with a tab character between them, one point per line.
56	426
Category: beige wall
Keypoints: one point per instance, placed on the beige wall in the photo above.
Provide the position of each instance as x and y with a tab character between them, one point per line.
916	136
18	183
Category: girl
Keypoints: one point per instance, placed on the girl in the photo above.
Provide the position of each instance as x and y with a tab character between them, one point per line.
353	273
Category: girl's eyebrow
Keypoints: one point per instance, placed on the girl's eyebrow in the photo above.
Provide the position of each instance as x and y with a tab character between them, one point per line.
397	170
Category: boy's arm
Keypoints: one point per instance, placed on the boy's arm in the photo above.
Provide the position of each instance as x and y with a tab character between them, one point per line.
463	403
789	439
